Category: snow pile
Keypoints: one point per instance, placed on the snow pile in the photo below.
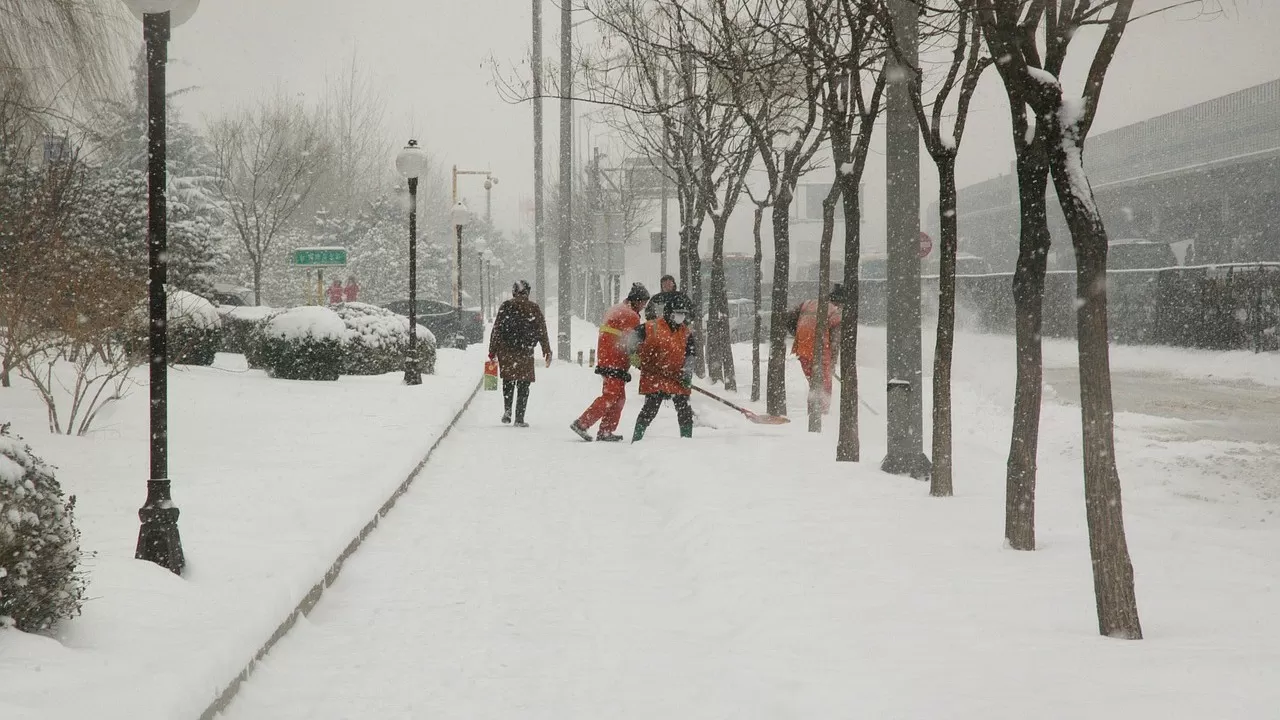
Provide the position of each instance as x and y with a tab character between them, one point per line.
308	321
377	327
39	546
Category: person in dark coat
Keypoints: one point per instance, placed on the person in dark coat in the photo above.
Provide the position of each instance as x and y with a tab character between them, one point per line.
658	302
518	328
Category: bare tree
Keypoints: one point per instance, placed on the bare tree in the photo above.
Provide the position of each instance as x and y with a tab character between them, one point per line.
1012	31
269	160
959	29
777	90
353	120
845	43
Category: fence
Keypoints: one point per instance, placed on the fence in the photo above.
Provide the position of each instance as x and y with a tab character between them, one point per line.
1212	307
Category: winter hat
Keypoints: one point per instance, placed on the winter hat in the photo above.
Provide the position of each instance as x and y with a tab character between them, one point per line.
638	292
520	287
837	293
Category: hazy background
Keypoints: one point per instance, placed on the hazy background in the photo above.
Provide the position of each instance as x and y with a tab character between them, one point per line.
431	61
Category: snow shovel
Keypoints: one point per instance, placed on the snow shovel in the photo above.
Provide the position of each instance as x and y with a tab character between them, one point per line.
753	417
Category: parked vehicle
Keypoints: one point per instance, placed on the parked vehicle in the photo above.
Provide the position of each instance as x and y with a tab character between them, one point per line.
442	319
231	295
1139	254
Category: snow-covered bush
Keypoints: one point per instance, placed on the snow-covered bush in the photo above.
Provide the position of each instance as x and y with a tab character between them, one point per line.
194	329
304	343
242	330
378	340
40	582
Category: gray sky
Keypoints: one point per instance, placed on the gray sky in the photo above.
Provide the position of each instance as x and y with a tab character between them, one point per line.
430	58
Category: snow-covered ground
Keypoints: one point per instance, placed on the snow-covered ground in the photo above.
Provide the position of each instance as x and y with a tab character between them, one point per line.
273	478
745	574
740	574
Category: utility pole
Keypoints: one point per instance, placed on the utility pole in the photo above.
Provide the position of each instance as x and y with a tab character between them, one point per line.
564	296
902	176
539	257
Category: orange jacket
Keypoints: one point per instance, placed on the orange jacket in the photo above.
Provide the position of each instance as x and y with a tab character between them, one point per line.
611	350
807	329
664	352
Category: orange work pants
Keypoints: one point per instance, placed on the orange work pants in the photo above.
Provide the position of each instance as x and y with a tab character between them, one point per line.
607	408
806	364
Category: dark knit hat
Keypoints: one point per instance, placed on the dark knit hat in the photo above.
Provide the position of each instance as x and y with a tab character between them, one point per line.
638	293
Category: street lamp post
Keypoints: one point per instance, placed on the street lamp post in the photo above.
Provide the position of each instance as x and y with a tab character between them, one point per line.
410	162
480	249
158	538
458	217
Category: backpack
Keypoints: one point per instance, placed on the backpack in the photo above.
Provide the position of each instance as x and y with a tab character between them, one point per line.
520	330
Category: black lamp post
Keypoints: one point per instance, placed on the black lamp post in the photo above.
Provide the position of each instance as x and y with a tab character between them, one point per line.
459	217
158	538
410	162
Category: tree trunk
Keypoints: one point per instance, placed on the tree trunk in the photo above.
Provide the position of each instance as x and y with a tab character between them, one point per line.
1028	300
776	390
848	446
757	221
940	484
257	281
817	400
1108	549
691	272
719	345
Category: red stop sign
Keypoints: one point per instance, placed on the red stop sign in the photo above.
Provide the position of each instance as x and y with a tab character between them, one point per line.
926	245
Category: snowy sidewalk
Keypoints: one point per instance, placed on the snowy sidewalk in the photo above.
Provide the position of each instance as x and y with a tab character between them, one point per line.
273	478
744	574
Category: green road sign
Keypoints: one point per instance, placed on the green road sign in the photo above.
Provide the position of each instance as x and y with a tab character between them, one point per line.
320	256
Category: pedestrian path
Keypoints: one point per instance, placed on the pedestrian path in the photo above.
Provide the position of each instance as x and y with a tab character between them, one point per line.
744	574
527	574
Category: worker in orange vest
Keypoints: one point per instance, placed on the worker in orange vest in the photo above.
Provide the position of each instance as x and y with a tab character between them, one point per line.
613	364
806	334
665	351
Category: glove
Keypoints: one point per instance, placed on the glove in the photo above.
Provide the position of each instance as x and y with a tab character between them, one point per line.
547	358
492	356
635	360
686	380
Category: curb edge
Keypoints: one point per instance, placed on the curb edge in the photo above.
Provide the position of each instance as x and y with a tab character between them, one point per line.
308	601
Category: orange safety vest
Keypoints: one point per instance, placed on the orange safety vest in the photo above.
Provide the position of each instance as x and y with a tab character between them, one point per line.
662	358
807	329
611	351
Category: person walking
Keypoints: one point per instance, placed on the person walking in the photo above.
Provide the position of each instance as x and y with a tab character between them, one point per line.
352	290
665	352
613	365
805	319
335	292
518	328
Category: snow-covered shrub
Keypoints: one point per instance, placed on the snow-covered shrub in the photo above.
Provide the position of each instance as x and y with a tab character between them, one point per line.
378	340
194	328
40	582
304	343
242	330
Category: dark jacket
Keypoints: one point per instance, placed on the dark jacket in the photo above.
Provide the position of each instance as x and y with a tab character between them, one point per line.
653	310
516	362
